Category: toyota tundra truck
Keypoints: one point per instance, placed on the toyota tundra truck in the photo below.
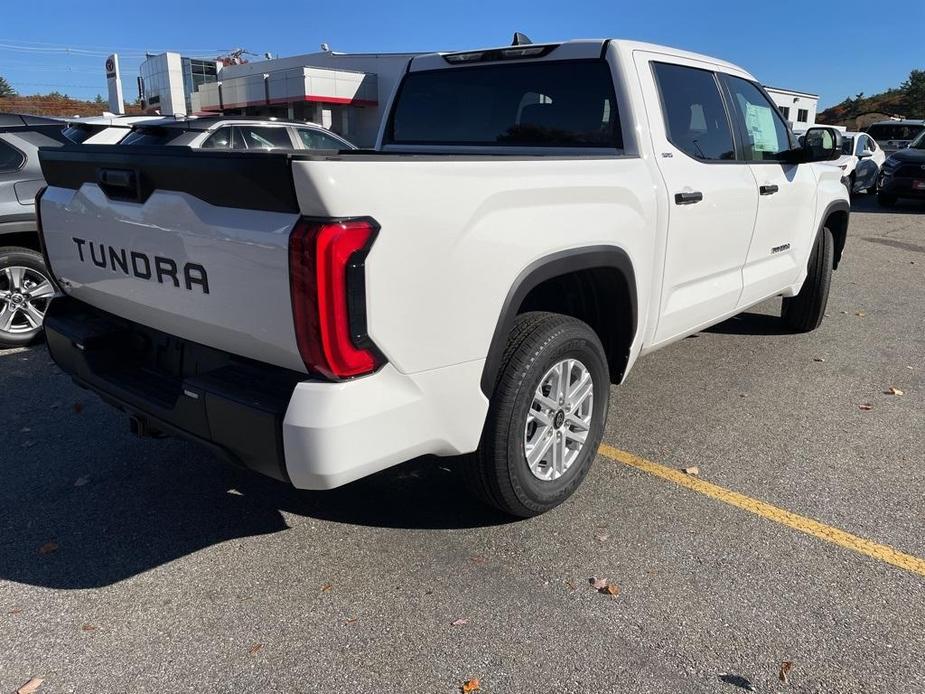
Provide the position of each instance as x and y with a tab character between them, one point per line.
532	219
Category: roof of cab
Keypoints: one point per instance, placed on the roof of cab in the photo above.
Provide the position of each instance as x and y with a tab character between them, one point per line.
575	49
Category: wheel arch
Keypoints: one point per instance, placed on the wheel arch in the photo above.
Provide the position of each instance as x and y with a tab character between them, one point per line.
580	282
835	219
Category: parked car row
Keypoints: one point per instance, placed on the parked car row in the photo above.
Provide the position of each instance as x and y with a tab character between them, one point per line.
25	286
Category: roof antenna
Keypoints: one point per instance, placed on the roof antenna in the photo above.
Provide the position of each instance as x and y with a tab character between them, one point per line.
520	39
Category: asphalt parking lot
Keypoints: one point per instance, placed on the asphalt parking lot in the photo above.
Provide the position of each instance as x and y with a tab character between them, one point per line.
147	566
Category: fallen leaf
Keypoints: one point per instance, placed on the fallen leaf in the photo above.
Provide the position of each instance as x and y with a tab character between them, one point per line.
820	359
459	622
78	407
692	470
785	668
48	548
15	610
893	390
860	314
326	587
845	312
81	481
598	583
30	686
602	537
254	648
88	627
472	685
612	590
350	620
866	406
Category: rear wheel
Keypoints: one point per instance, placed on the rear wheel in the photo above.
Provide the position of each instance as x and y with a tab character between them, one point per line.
25	290
804	312
546	416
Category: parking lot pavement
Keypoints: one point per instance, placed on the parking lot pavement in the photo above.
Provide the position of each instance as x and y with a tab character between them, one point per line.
146	566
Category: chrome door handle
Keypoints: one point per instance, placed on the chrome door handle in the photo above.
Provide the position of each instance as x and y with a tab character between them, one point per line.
768	190
688	198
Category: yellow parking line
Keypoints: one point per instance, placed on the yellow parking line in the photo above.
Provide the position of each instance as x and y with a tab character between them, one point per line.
806	525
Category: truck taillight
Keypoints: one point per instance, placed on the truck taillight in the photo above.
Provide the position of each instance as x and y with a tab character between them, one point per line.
327	281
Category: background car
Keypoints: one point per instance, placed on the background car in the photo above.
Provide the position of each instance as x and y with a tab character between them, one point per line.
893	135
861	161
25	287
103	130
221	132
903	174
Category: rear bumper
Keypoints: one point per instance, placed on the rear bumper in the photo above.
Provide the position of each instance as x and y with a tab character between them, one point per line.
313	434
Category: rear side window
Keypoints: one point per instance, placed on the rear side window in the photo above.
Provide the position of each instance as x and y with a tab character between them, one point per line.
544	104
150	136
695	116
220	139
763	132
80	132
261	137
10	157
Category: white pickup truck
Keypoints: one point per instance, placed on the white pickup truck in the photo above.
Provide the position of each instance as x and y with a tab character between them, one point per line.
532	220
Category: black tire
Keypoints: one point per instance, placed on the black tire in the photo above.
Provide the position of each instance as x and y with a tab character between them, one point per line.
498	472
804	312
885	199
874	187
16	335
852	181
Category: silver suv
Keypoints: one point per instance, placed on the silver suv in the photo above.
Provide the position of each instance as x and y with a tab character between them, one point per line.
25	288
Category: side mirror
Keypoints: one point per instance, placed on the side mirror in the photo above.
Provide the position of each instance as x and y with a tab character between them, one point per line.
822	144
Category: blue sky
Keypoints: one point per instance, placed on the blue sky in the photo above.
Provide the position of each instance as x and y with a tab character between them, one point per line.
835	49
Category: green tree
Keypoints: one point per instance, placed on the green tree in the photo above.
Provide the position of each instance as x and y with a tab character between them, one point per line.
913	90
99	99
6	89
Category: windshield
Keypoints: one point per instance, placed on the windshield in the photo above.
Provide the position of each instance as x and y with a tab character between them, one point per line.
919	142
847	145
882	132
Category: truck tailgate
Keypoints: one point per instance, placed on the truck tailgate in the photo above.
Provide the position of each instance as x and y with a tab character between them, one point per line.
194	244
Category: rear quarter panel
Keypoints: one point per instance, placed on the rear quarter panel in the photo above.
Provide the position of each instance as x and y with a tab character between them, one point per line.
456	232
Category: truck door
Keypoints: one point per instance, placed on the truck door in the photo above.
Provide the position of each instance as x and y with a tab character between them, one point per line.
785	226
712	199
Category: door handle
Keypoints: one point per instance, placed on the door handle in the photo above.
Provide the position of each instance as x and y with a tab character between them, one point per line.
768	190
688	198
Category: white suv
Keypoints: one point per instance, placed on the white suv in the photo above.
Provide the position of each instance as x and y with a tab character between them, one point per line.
237	134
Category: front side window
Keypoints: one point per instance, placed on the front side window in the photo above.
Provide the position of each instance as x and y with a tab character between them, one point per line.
764	133
542	104
695	117
315	139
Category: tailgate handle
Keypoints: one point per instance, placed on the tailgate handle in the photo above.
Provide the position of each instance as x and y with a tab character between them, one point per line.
119	183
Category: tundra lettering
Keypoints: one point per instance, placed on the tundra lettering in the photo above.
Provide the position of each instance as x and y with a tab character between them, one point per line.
530	221
193	273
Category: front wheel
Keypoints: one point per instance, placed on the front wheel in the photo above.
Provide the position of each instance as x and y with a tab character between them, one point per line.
546	416
804	312
25	291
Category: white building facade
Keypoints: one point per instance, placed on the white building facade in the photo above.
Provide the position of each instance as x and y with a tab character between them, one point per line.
798	108
343	92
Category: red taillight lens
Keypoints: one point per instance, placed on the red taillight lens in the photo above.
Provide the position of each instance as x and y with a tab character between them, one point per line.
327	282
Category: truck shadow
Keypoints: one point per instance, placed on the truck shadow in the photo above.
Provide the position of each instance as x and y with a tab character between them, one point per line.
84	504
749	323
130	519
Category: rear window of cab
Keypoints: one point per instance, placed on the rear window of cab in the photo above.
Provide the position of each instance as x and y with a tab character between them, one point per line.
542	104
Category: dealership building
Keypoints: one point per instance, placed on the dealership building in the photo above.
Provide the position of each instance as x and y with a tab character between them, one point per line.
343	92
